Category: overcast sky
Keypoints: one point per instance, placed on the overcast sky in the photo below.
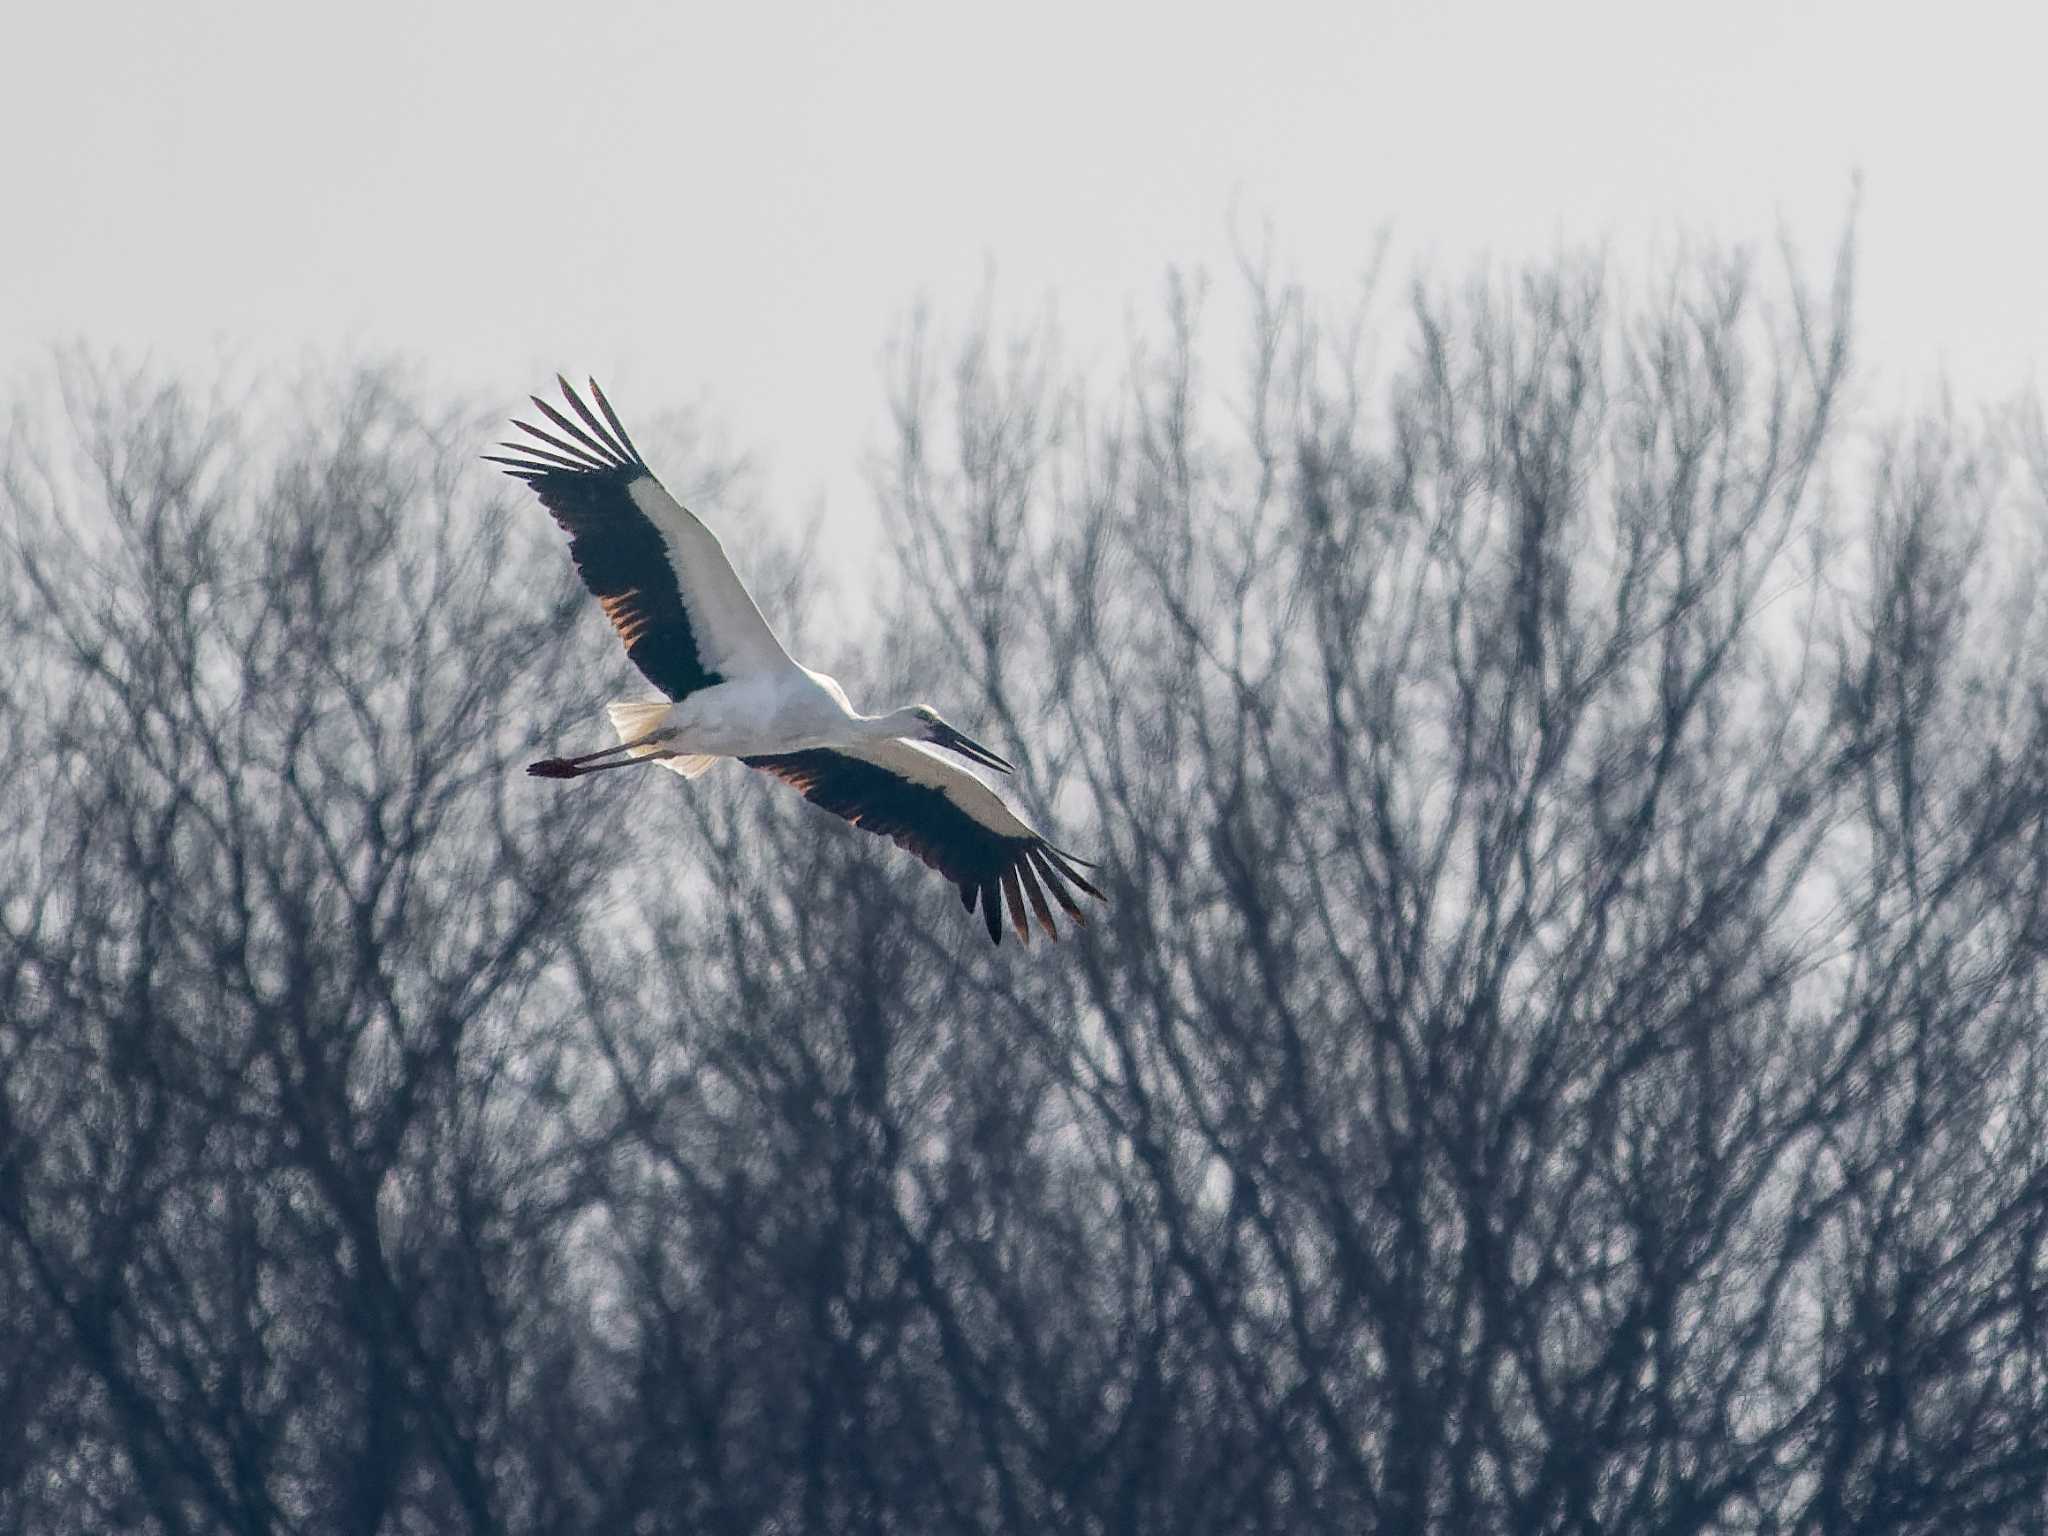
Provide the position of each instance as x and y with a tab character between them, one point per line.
735	204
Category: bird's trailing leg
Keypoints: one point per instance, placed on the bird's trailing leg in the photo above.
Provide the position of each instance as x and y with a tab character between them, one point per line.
587	762
569	768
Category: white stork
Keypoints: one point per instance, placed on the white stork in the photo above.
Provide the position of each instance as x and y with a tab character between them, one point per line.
690	625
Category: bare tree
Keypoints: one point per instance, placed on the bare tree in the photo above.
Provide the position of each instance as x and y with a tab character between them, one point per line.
1569	1017
278	1232
1563	1051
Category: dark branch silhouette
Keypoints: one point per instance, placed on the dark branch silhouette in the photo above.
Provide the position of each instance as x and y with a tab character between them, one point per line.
1562	1051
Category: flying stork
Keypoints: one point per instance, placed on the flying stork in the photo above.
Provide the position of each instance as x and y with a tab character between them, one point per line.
690	625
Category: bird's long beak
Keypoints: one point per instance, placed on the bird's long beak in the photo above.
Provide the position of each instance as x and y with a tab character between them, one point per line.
944	735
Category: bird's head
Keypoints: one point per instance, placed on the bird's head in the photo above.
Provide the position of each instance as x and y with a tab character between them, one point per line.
932	727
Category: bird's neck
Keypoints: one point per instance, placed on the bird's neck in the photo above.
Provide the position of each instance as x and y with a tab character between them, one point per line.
898	722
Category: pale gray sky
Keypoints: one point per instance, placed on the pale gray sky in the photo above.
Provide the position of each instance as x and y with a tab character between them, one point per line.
734	204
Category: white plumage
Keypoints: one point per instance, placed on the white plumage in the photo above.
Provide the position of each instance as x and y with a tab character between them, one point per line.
690	625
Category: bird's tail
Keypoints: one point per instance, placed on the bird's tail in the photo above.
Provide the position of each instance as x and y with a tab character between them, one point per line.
634	718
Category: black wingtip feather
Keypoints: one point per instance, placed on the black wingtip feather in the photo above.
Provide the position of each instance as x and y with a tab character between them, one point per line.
618	426
1066	863
594	456
518	467
1014	897
1038	901
1058	887
557	452
590	420
601	452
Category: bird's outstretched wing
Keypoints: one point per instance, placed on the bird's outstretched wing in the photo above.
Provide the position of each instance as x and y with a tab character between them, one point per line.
947	817
661	576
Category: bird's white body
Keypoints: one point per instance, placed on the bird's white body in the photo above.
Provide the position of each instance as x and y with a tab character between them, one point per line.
691	626
788	709
772	714
771	704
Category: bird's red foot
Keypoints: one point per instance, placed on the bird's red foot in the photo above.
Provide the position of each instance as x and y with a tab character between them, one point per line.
553	768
